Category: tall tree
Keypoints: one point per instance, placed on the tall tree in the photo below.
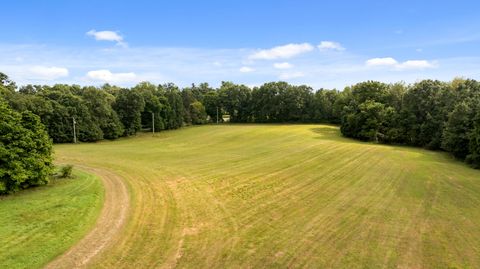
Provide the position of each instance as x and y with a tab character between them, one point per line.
198	113
174	109
473	157
152	97
25	152
457	130
235	99
7	86
100	103
425	110
129	106
212	104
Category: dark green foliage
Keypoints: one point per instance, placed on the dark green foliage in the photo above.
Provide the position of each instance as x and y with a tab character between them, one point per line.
366	112
457	131
282	102
198	113
68	104
7	86
129	105
99	104
366	123
424	108
153	106
109	112
429	113
187	99
294	103
174	108
370	90
323	106
25	150
235	100
58	105
473	158
211	101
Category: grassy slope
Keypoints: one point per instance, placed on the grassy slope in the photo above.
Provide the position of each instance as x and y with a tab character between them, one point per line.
38	224
252	196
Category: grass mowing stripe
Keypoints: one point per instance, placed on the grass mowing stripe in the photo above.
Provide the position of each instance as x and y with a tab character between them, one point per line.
245	196
38	224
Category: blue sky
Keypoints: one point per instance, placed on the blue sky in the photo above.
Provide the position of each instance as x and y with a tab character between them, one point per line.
323	44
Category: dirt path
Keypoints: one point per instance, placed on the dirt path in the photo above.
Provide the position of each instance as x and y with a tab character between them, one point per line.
105	232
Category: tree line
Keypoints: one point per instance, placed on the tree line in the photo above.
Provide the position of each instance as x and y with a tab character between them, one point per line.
109	112
431	114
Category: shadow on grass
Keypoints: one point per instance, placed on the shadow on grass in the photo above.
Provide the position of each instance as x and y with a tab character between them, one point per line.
332	133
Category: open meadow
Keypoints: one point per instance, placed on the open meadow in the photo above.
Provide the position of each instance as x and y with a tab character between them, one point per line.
286	196
39	224
240	134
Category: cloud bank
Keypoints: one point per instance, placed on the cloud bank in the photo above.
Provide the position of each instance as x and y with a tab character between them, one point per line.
307	64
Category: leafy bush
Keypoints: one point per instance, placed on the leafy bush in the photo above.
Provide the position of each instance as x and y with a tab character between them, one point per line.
66	171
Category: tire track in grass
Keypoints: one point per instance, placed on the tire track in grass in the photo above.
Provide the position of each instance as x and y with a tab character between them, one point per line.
270	196
107	229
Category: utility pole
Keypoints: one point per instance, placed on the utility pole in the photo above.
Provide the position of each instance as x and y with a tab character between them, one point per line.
74	131
153	123
217	114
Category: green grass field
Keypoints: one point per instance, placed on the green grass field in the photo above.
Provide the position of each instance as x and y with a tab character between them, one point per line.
285	196
39	224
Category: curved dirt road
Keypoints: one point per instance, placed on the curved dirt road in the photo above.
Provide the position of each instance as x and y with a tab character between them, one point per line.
106	230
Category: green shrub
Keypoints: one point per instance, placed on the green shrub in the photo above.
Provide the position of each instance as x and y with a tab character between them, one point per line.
66	171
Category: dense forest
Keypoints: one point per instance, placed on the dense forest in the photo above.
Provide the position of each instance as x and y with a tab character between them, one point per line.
431	114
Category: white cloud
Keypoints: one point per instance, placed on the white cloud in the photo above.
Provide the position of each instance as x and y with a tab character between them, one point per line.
48	73
387	61
107	76
107	36
391	62
416	64
183	66
330	45
246	69
284	65
287	76
282	52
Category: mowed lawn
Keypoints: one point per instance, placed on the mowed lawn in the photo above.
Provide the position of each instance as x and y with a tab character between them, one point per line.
39	224
286	196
